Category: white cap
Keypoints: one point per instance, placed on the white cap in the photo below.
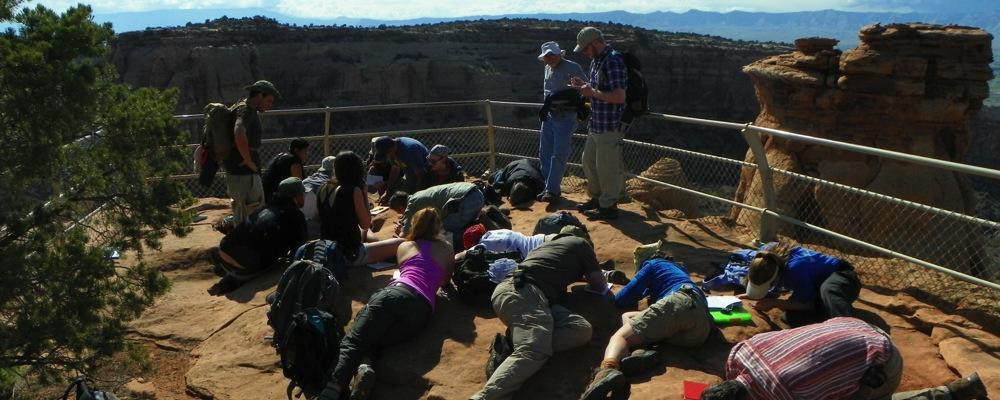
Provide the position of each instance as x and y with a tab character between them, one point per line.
550	48
759	291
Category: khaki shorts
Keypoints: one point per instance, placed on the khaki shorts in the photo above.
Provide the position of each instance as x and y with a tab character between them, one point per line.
680	319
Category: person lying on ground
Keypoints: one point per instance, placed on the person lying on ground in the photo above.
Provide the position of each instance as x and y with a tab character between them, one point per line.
520	180
398	311
842	358
527	301
441	168
404	159
822	286
677	315
285	165
259	242
458	203
345	216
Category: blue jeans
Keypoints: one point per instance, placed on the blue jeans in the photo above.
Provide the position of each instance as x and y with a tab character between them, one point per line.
554	148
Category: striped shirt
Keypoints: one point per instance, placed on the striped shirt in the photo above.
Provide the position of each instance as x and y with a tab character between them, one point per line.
820	361
607	73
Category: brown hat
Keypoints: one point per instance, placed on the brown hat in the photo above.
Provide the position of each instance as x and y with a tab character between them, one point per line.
263	87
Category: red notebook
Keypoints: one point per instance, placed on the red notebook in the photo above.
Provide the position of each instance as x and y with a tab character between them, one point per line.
692	390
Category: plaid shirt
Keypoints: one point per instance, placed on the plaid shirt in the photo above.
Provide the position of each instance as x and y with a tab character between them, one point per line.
822	361
607	73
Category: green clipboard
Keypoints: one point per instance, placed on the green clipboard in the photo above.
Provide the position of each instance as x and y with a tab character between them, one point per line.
738	316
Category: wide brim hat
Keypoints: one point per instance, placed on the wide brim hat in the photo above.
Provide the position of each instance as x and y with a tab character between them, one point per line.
263	87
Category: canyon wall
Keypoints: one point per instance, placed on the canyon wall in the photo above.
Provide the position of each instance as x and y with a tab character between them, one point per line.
330	66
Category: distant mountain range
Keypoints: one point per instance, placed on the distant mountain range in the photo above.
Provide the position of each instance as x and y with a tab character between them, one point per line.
779	27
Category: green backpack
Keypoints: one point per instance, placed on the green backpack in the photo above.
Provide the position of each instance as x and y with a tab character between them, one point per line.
217	133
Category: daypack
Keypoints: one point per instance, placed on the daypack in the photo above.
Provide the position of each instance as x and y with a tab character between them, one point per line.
551	224
326	253
734	273
637	92
472	278
306	336
217	132
309	350
85	393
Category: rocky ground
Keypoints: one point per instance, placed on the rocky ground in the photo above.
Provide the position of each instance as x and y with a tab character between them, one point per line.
217	347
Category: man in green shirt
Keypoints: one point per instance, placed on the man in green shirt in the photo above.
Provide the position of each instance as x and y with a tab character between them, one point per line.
243	182
459	204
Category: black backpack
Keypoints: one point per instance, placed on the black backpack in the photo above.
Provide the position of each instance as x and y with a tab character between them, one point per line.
472	278
326	253
85	393
554	222
306	336
637	93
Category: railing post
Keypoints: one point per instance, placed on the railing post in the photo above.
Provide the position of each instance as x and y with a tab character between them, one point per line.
326	134
491	135
767	228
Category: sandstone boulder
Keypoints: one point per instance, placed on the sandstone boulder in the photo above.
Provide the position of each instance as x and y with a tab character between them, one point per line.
666	170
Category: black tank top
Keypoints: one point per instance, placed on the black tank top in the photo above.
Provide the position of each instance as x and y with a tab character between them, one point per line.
338	220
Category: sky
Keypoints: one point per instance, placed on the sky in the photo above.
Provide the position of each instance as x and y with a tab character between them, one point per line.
407	9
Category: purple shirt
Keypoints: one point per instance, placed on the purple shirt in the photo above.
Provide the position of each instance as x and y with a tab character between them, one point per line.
422	273
607	73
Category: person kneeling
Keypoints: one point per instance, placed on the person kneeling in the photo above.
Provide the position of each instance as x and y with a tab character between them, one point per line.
843	358
677	315
398	311
256	244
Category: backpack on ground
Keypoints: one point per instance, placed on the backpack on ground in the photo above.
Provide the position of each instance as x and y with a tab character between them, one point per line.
326	253
472	277
553	223
637	93
85	393
306	336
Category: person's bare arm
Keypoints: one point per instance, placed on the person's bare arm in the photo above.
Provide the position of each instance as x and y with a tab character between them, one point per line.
616	96
243	144
297	171
361	209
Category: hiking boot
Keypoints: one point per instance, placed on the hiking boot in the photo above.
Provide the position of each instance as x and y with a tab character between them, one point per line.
499	351
616	277
364	382
602	213
968	388
606	381
217	264
608	265
591	204
548	197
639	362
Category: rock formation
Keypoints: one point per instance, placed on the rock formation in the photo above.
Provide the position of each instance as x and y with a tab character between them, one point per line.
336	66
907	87
665	170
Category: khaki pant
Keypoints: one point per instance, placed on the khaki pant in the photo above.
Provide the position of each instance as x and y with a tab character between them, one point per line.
680	319
247	194
604	167
893	369
537	331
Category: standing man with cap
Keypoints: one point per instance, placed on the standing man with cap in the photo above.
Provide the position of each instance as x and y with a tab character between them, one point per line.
441	168
243	181
558	119
404	159
602	154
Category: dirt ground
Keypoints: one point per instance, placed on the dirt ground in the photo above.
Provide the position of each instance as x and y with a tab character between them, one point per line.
217	347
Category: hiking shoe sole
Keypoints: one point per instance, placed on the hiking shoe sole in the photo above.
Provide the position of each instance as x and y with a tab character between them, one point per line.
612	382
363	383
639	362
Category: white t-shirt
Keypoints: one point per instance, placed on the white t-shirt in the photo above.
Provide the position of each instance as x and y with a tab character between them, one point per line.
508	240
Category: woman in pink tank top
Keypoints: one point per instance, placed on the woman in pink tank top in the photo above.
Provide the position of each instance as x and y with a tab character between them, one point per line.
398	311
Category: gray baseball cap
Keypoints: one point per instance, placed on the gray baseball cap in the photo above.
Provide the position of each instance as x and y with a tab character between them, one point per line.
587	36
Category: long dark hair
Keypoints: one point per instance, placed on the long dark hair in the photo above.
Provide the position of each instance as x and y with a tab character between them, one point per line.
349	169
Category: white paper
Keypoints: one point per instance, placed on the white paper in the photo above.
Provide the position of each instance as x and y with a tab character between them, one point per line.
381	265
374	180
721	302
